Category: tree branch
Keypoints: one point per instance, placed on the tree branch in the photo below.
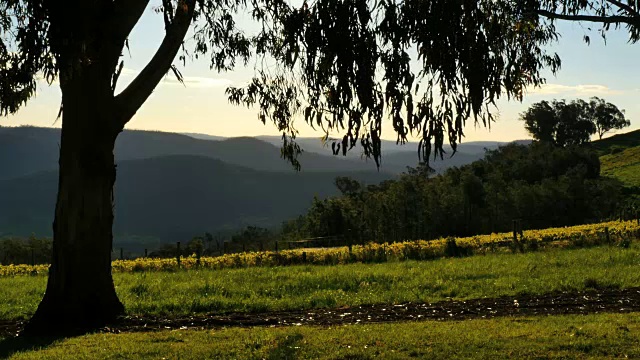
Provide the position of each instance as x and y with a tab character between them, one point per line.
617	19
123	17
624	6
127	13
130	99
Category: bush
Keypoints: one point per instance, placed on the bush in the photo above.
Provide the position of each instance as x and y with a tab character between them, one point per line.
616	149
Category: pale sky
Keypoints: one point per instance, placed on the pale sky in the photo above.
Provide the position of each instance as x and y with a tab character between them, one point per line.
610	72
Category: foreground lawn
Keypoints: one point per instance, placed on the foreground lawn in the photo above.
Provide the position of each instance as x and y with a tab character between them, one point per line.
298	287
592	336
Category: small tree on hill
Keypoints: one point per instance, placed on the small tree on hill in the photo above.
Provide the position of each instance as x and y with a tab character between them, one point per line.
606	116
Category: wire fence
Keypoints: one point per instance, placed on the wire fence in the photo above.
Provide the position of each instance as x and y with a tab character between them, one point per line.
38	251
220	248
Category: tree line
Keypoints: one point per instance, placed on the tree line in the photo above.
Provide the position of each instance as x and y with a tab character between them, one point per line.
540	184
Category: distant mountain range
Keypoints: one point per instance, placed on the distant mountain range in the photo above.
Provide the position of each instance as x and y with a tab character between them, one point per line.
27	150
178	196
173	186
395	157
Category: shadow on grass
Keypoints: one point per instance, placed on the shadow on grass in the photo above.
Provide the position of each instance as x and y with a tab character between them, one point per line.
286	347
12	345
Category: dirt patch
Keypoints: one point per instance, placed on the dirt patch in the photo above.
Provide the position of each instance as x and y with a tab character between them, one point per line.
560	303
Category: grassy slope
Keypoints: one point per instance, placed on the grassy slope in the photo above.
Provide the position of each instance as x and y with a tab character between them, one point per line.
624	165
303	287
625	140
592	336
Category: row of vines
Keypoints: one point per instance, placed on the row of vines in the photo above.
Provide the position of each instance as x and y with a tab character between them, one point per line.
615	232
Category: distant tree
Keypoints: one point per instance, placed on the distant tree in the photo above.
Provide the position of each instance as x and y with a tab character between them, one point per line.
348	187
562	124
541	122
606	116
575	127
251	235
559	123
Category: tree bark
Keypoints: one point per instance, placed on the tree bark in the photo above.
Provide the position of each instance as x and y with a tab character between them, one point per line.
80	293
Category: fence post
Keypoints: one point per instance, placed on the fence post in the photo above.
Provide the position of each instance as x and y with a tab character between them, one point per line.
384	248
178	255
276	246
515	230
145	253
606	234
121	254
304	256
224	247
520	229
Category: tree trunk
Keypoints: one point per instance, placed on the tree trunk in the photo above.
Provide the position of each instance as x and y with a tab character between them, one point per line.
80	293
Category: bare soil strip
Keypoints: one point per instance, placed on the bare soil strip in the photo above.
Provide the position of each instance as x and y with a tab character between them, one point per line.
559	303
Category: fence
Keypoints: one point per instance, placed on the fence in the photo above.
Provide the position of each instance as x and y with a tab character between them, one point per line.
228	247
13	251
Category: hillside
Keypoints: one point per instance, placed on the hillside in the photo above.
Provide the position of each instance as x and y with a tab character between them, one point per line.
396	158
623	141
37	150
389	147
178	196
620	157
623	165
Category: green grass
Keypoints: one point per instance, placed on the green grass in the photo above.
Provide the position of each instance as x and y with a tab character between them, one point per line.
303	287
559	337
624	166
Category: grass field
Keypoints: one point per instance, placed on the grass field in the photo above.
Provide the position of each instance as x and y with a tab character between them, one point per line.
624	166
258	289
602	336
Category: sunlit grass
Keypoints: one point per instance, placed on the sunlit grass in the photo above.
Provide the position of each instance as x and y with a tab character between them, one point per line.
624	166
558	337
258	289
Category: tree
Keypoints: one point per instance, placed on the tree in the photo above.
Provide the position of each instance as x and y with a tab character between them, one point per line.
574	126
559	123
606	116
541	122
348	187
563	124
343	65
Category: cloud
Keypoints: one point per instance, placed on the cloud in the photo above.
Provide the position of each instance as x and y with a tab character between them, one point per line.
129	72
189	81
586	89
196	81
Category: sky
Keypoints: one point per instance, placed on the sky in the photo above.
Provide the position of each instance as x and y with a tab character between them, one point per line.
609	71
